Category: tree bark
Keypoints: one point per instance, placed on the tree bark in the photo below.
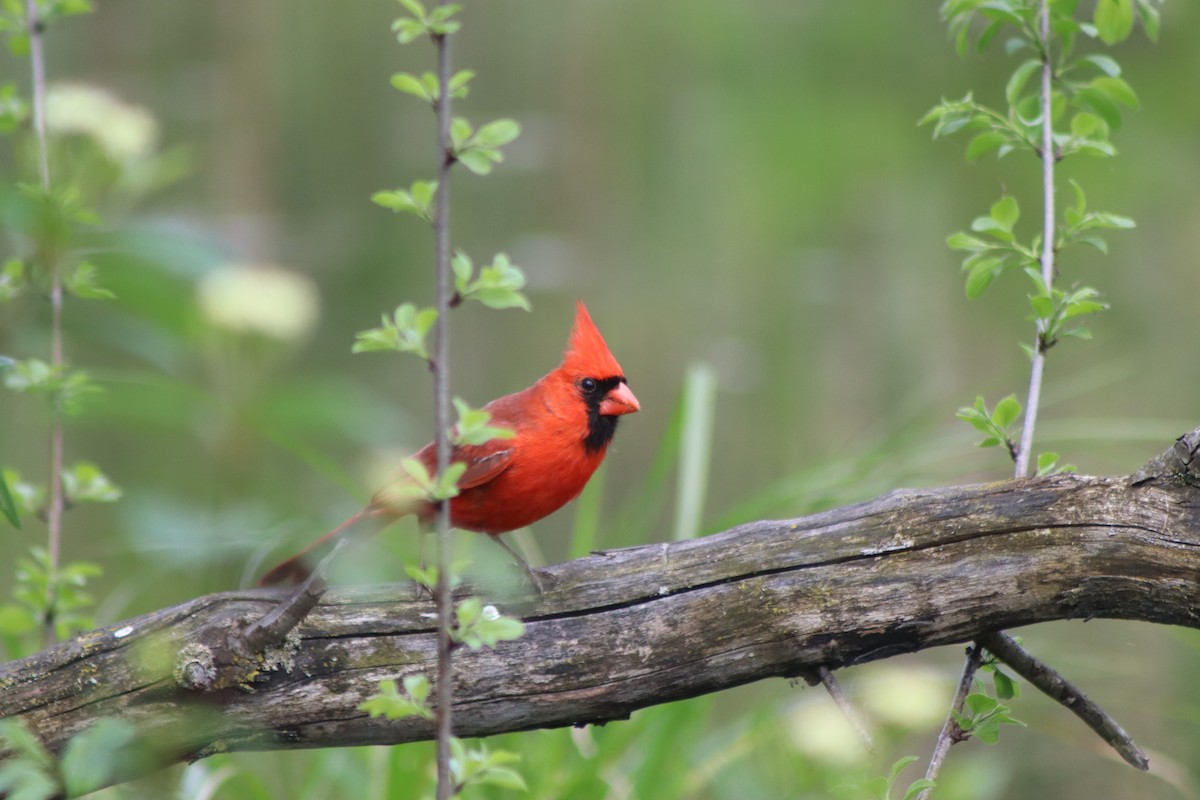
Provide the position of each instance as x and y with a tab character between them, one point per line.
625	629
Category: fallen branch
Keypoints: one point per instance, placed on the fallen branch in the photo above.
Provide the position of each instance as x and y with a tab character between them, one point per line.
625	629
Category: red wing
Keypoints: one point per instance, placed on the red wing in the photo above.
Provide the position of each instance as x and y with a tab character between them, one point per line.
483	464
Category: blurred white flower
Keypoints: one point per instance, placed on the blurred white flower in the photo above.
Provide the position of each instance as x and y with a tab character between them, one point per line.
910	695
124	131
259	298
819	730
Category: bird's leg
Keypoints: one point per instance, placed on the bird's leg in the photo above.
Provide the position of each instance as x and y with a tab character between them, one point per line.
423	529
534	578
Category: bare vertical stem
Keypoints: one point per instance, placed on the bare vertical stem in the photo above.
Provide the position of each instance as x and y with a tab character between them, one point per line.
1048	155
50	261
950	730
441	404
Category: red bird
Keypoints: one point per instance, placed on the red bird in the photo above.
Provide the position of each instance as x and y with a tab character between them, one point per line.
562	424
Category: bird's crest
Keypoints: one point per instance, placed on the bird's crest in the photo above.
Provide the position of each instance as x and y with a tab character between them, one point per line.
587	355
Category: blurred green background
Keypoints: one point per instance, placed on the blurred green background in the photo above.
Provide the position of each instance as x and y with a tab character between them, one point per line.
741	185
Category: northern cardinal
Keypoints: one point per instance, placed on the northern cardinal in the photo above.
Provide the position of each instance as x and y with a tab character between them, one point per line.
562	424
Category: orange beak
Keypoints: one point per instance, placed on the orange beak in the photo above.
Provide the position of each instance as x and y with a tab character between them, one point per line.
619	401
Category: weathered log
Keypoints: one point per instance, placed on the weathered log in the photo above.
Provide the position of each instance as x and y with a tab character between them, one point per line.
625	629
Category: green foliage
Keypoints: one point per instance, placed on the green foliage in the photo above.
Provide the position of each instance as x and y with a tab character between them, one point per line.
438	22
982	717
1053	309
12	279
14	25
83	482
29	773
480	625
404	332
498	284
444	487
997	425
28	498
1082	108
427	87
44	595
1047	464
66	389
8	506
88	763
14	111
479	150
473	427
389	702
1005	687
417	199
881	787
479	766
84	282
996	250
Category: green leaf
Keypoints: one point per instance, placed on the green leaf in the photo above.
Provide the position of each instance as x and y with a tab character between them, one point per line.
1105	64
473	428
408	30
417	687
12	279
463	270
981	276
459	83
480	160
426	577
1020	76
83	482
410	84
84	282
1006	688
1006	212
8	506
1099	101
965	241
497	133
446	485
1117	89
1007	411
422	193
17	620
1150	18
1084	124
388	702
505	777
460	133
415	8
985	143
1113	20
405	332
417	199
918	786
92	757
417	471
1042	306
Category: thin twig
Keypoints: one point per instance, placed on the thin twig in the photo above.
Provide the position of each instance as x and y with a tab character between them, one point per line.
847	708
1058	688
951	732
441	404
1033	400
54	513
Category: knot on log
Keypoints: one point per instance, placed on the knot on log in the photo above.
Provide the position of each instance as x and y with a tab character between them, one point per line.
218	658
1179	464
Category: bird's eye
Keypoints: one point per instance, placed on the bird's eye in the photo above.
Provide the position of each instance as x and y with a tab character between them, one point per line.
588	384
